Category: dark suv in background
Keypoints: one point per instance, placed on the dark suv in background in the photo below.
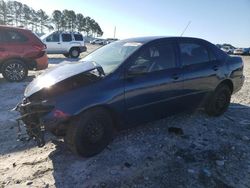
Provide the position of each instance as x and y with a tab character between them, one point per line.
126	83
20	51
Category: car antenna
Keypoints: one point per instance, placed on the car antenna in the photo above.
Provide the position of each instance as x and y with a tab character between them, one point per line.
185	28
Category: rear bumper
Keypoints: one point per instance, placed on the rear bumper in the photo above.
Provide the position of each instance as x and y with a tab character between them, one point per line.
238	83
42	62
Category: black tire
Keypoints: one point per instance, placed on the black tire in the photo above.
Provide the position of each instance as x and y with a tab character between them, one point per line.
74	53
14	70
66	55
90	133
219	101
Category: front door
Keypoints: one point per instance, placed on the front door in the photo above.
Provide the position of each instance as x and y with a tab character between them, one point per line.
153	83
53	43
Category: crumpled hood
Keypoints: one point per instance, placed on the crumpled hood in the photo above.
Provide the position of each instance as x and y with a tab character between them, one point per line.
57	74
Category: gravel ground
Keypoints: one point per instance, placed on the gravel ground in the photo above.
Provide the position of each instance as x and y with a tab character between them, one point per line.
211	152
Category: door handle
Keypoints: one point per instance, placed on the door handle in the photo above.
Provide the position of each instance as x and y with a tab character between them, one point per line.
215	68
175	76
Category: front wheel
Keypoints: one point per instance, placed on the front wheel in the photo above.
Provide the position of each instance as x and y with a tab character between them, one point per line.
14	70
219	101
89	134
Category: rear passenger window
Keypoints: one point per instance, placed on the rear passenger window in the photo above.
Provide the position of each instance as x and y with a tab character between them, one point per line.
192	53
212	56
78	37
14	36
66	37
156	57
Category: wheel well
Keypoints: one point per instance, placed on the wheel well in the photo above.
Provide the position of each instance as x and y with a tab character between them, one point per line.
113	114
5	60
229	83
75	47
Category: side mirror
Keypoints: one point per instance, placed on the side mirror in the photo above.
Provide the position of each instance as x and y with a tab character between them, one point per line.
137	69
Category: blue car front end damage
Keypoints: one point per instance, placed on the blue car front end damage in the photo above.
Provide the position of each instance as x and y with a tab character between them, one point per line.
41	107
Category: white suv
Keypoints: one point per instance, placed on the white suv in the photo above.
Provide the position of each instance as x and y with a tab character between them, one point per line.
70	44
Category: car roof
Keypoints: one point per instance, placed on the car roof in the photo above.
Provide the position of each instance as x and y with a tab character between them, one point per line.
12	27
152	38
67	32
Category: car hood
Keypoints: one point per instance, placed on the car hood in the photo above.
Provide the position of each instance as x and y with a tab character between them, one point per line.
57	74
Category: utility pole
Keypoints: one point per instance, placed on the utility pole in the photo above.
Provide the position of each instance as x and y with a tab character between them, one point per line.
114	32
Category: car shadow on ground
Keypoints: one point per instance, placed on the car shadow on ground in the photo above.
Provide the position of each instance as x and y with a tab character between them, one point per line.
151	156
55	61
28	79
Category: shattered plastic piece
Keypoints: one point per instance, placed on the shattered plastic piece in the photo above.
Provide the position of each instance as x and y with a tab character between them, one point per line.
245	122
206	172
191	171
220	163
128	165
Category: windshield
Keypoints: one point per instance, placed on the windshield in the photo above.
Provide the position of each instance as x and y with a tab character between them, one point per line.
112	55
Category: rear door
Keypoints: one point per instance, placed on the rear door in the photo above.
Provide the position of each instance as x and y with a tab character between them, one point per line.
200	71
3	52
12	43
153	83
66	42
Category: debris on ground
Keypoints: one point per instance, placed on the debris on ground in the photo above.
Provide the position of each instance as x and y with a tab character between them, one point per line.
175	130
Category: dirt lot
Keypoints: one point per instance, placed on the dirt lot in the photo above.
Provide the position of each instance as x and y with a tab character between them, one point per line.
212	152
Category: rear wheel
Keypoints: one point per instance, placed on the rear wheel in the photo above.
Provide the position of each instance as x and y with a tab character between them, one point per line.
219	101
74	53
90	133
14	70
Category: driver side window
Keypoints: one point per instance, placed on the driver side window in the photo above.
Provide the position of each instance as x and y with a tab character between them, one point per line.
53	38
155	57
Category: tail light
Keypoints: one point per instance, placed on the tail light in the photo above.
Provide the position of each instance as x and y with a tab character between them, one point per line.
38	51
39	47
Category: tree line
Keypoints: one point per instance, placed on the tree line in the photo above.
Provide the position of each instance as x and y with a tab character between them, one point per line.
21	15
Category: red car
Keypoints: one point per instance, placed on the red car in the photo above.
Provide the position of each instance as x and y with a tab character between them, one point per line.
20	51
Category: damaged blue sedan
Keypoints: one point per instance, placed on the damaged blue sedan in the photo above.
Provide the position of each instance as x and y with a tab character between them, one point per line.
126	83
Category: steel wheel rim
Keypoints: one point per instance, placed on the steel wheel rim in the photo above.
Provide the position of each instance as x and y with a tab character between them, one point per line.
75	53
15	71
94	131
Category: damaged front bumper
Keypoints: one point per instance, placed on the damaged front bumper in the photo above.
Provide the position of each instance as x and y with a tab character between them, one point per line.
31	115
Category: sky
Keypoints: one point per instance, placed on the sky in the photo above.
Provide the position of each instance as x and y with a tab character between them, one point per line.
218	21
